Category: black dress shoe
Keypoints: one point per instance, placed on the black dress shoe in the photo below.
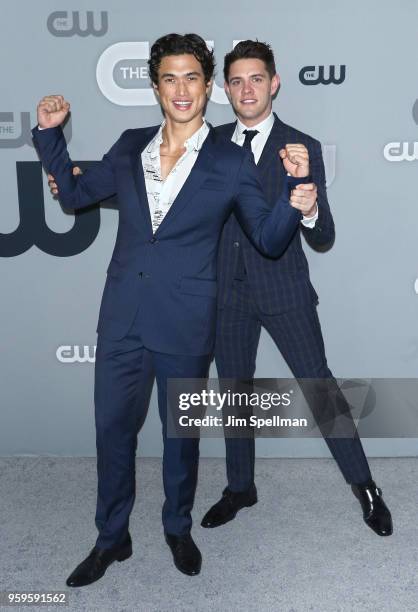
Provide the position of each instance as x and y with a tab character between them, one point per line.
186	555
375	512
99	559
227	507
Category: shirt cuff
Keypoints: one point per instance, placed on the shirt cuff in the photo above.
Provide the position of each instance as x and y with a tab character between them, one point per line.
310	221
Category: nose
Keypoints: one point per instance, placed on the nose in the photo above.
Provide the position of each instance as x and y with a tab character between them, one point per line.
247	88
181	87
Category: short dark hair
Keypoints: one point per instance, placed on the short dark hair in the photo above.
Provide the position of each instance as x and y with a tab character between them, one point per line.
250	49
177	44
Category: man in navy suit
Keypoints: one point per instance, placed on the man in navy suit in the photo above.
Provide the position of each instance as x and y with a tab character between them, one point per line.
276	293
176	185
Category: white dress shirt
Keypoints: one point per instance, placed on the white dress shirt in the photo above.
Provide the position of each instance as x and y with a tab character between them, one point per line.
257	146
162	193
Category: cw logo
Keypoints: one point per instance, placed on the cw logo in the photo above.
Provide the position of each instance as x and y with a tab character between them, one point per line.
8	130
7	127
112	70
33	230
76	354
60	24
401	151
315	75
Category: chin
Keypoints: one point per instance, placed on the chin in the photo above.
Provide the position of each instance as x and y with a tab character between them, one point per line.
178	118
249	112
184	118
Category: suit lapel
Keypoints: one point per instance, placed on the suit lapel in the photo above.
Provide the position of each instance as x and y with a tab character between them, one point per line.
137	173
275	142
227	130
201	168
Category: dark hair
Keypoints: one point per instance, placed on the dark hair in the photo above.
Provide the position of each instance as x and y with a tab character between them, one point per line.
177	44
250	49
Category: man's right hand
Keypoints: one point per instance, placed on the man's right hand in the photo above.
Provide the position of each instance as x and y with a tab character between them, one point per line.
295	159
52	184
52	111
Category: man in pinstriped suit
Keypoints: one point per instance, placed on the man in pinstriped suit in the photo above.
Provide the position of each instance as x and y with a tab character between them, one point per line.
256	291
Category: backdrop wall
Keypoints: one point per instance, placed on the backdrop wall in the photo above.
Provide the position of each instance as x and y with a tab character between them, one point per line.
348	78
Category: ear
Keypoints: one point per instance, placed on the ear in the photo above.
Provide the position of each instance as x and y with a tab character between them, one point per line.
275	82
209	86
226	88
155	88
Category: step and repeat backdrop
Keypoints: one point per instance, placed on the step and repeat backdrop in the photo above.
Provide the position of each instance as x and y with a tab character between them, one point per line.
348	78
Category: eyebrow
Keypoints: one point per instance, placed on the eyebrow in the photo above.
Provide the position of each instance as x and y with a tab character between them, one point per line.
170	74
257	74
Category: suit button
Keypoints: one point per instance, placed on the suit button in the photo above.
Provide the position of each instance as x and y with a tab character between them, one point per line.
236	244
152	240
140	274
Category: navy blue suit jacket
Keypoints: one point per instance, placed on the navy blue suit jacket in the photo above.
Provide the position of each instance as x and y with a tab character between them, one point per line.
169	278
278	284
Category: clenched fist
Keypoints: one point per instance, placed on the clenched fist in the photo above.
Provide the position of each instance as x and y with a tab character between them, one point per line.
295	160
52	111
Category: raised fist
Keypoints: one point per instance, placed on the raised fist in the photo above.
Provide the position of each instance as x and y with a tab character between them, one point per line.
295	159
52	111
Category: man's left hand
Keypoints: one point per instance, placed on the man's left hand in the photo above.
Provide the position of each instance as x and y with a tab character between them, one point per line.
304	197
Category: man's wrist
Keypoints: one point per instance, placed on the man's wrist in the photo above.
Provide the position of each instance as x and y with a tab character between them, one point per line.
312	213
310	222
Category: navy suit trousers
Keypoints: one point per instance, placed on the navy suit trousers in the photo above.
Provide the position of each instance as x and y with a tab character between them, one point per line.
297	334
124	376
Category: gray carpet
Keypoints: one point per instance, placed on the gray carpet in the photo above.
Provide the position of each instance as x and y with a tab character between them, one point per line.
303	547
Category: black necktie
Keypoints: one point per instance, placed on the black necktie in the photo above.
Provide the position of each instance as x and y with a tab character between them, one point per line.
249	135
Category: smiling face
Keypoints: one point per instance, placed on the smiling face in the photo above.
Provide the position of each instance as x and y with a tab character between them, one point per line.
181	88
250	89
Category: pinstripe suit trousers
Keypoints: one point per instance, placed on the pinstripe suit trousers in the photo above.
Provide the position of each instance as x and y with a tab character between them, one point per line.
297	334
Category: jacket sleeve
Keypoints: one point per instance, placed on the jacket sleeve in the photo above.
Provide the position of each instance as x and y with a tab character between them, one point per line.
323	233
95	184
269	229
